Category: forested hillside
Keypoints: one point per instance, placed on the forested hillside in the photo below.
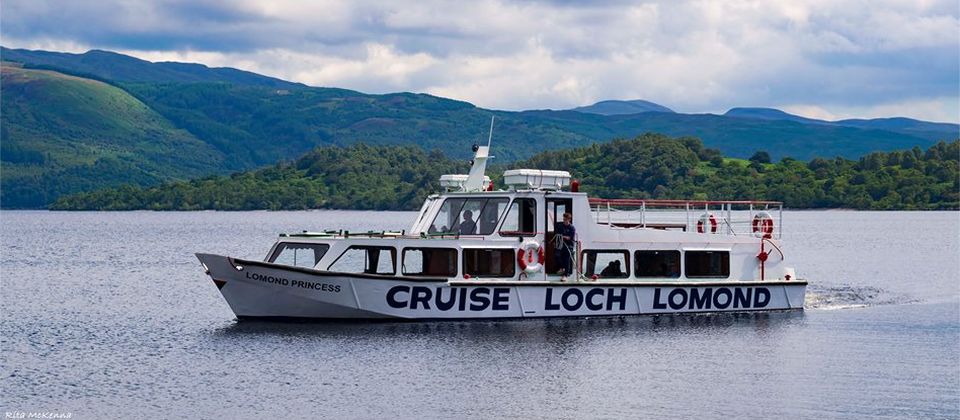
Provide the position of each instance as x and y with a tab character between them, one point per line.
79	122
356	177
61	134
649	166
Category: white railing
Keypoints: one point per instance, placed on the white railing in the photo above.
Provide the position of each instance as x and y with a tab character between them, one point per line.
730	217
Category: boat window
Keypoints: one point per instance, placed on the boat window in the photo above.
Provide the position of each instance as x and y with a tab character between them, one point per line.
489	262
659	264
707	263
612	264
298	255
468	216
473	216
440	262
366	259
490	215
448	217
521	219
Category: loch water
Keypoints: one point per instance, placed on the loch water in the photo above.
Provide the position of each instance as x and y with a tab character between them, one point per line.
109	315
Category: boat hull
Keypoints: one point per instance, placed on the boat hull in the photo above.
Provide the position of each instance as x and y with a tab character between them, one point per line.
255	289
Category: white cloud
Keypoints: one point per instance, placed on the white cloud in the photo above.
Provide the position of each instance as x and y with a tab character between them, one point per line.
821	57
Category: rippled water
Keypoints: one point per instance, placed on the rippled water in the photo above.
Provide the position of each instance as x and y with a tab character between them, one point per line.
109	315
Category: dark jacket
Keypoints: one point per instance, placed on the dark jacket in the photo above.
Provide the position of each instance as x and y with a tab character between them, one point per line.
567	230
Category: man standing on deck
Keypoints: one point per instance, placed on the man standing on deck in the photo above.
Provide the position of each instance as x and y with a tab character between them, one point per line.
564	252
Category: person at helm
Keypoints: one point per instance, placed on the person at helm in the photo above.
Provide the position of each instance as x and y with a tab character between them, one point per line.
468	226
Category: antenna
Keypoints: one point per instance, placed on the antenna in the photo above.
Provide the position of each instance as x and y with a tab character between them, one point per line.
490	138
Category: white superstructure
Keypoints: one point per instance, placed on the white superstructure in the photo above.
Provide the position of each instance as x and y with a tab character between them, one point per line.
473	252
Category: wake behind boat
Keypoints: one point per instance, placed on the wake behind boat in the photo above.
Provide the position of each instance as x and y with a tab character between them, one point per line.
474	252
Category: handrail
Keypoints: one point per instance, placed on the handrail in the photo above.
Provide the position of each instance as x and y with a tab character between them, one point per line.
643	202
643	212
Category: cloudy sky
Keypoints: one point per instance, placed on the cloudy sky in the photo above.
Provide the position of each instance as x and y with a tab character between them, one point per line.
820	58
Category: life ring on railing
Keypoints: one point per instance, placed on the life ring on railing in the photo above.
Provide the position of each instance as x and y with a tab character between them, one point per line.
530	257
702	223
763	225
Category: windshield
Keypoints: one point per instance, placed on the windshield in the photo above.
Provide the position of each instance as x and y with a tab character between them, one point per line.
468	216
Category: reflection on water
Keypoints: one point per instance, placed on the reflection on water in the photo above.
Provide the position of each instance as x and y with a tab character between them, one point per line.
530	330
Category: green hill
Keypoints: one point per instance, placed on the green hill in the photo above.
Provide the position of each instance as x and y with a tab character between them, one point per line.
148	122
61	134
650	166
262	125
360	177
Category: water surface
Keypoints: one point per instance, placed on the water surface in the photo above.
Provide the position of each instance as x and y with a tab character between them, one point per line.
110	315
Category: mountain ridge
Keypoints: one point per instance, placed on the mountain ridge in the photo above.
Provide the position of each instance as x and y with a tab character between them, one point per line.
118	67
884	123
621	107
248	120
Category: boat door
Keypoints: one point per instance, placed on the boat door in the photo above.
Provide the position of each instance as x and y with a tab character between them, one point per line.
555	208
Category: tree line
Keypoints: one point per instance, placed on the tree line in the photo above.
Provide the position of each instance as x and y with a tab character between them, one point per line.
649	166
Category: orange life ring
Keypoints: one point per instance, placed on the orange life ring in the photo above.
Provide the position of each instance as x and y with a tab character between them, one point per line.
763	225
530	257
707	217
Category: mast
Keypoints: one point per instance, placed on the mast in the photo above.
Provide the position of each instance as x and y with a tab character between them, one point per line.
478	167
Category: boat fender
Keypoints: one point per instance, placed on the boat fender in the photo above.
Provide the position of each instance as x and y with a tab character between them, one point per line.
707	218
530	257
763	225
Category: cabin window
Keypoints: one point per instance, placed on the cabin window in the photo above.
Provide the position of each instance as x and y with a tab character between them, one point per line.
490	215
298	255
657	264
707	263
489	262
473	216
367	260
521	219
606	264
447	218
440	262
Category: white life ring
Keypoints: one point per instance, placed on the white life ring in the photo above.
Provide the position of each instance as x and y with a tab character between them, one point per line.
530	257
763	225
707	220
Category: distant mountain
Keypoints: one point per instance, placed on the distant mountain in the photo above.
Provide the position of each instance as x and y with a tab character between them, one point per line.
898	124
123	68
770	114
155	121
901	124
615	107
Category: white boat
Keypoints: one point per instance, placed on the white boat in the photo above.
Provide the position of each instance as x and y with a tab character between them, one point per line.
629	257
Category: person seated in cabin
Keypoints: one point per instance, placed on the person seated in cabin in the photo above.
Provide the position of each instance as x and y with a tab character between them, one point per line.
612	270
468	226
